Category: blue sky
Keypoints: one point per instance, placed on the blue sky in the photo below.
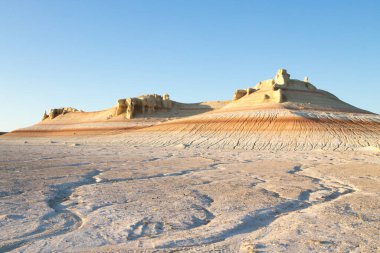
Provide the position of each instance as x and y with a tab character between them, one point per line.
87	54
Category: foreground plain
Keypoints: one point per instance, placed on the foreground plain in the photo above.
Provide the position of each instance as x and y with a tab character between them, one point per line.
84	195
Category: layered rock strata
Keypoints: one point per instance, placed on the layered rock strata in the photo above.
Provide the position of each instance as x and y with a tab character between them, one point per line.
143	104
278	114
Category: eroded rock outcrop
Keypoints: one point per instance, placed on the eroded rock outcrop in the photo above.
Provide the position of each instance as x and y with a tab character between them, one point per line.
239	94
166	102
58	111
121	107
130	108
282	77
149	104
271	90
45	116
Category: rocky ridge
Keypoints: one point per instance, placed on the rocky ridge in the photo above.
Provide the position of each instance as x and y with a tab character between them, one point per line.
277	114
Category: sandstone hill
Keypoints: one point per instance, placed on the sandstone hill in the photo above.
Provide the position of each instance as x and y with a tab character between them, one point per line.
128	114
277	114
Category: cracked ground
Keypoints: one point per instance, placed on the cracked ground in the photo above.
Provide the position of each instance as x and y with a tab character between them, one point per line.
107	197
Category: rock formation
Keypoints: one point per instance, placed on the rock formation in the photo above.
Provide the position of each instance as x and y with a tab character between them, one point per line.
273	90
121	107
166	102
239	94
282	77
250	90
130	108
149	104
58	111
45	116
277	114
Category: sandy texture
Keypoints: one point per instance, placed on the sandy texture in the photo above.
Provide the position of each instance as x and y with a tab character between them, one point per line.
276	128
82	195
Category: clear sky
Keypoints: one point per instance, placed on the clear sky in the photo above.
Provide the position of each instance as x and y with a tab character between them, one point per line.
86	54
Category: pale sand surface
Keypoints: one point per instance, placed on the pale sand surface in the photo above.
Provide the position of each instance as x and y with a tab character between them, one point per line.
92	195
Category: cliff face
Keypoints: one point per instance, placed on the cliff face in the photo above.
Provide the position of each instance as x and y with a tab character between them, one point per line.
131	107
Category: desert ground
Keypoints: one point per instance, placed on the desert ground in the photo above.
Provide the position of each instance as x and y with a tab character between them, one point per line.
76	194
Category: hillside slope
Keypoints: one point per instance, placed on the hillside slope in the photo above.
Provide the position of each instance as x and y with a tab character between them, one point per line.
104	122
277	114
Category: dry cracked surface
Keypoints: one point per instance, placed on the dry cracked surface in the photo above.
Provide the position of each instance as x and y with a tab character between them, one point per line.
98	197
270	129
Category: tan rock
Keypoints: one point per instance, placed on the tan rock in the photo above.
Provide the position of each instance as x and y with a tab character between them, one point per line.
61	111
239	94
149	103
166	102
282	77
250	90
130	108
121	107
45	116
296	93
52	113
265	85
165	96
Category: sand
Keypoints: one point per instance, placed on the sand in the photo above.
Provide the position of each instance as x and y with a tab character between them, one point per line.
269	129
105	195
